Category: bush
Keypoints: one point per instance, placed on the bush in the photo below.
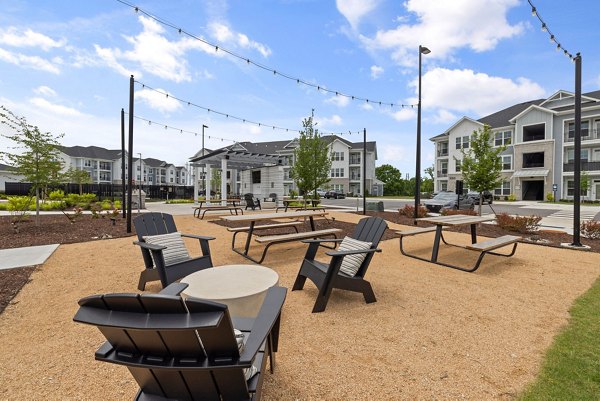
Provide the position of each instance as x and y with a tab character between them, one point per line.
550	197
20	203
58	194
468	212
3	206
80	200
47	206
590	229
409	211
520	224
511	197
175	201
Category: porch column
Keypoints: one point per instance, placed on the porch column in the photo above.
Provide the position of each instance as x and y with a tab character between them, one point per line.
195	176
224	181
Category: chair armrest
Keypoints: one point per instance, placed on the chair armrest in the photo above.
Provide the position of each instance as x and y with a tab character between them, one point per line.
150	247
173	289
265	320
352	252
200	237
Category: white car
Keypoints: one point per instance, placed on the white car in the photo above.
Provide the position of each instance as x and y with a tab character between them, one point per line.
321	192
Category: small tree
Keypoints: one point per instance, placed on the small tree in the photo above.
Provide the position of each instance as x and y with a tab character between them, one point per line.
37	158
427	184
313	160
76	176
481	164
584	183
391	177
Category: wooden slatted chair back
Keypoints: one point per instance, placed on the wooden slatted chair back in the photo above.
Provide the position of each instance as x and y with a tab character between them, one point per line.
154	223
369	229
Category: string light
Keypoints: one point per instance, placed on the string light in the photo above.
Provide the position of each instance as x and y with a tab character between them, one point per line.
227	115
259	65
535	13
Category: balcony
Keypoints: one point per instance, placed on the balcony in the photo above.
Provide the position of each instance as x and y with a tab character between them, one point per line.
443	173
585	166
354	160
354	177
442	153
586	135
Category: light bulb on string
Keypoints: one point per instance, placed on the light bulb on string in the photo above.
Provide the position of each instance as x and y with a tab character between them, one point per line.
544	28
533	12
551	38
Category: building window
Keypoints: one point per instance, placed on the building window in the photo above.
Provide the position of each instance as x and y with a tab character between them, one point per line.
443	149
338	187
256	177
571	189
585	129
443	186
338	156
536	132
444	167
87	163
506	162
462	142
503	190
458	165
502	138
585	154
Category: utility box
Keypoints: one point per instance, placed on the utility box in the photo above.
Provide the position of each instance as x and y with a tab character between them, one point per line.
375	206
137	199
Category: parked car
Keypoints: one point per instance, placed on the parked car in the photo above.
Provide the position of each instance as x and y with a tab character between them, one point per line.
202	192
487	197
334	195
321	192
448	200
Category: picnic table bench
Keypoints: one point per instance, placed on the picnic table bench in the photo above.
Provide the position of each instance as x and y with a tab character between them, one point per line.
281	238
236	230
303	205
211	208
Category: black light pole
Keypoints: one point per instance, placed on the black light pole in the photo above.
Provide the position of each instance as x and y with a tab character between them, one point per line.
123	206
577	174
364	172
130	155
206	196
422	50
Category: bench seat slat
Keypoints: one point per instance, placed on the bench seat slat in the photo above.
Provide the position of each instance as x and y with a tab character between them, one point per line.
494	243
415	231
265	226
294	236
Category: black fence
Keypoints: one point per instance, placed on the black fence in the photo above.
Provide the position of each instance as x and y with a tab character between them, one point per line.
109	191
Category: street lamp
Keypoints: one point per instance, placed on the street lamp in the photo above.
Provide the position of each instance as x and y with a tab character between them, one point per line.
140	183
422	50
203	175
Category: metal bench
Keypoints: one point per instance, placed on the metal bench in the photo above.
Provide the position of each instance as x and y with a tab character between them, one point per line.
209	208
282	238
236	230
488	246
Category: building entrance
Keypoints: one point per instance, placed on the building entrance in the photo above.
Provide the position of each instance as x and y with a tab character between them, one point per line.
533	190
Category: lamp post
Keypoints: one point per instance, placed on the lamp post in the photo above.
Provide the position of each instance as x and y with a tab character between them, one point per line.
203	175
140	183
422	50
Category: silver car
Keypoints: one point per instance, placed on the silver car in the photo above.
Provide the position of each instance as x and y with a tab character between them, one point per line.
448	200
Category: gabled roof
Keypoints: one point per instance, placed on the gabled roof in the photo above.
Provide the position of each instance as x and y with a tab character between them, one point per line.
151	162
590	96
532	107
503	117
91	152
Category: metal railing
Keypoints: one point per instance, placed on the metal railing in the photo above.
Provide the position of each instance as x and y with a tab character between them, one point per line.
585	166
586	135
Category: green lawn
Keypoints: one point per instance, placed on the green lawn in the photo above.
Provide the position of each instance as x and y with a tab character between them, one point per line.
571	370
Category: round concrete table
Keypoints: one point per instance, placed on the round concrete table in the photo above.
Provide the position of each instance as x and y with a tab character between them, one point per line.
241	287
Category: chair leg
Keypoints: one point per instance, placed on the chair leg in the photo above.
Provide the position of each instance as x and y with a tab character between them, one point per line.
299	283
321	302
368	292
146	276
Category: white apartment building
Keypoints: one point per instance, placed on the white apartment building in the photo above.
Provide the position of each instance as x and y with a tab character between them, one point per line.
539	155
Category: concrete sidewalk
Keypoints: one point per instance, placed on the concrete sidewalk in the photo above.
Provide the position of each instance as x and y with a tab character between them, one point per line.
27	256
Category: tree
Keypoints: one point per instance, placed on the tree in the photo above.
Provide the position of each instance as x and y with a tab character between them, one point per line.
584	183
427	184
391	177
78	177
313	160
37	157
481	164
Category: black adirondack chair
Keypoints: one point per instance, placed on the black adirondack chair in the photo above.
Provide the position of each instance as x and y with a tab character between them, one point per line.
252	202
185	350
328	276
156	223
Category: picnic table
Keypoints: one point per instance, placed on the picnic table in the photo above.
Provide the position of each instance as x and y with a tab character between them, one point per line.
440	222
313	204
231	205
269	240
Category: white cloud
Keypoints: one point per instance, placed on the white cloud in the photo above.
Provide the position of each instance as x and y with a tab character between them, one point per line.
224	34
355	10
25	61
29	38
366	106
478	94
45	91
444	117
445	26
376	71
157	101
324	122
404	114
55	109
153	52
337	100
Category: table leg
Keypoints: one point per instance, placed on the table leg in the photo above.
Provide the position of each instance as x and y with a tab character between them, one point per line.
473	233
312	223
250	231
436	243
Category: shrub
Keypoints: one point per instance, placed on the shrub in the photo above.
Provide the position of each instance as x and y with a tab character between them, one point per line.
468	212
117	204
511	197
550	197
19	203
590	229
520	224
409	211
58	194
3	206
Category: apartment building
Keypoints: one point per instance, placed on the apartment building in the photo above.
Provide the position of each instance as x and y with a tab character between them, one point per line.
539	140
346	168
104	166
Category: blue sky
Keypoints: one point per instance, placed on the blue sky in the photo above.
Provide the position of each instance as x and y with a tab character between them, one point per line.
66	66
